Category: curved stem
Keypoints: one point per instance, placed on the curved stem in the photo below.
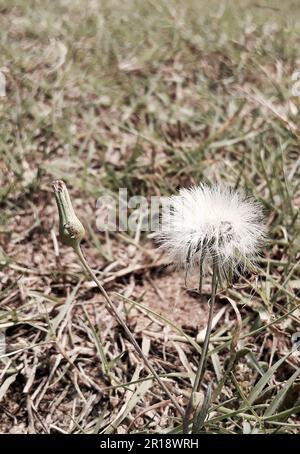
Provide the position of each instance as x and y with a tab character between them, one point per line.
121	321
203	360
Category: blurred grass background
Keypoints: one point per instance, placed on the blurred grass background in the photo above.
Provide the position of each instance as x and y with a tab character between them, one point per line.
148	96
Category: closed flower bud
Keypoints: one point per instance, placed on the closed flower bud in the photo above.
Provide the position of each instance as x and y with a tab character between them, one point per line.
71	230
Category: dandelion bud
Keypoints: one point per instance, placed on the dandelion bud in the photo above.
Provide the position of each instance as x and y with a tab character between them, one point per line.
71	231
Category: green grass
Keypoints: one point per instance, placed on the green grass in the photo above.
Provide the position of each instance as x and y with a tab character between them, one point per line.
149	96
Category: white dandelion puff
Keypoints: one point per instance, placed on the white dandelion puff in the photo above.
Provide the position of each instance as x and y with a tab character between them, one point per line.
212	224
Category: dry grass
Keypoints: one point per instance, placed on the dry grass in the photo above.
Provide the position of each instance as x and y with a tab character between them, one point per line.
148	96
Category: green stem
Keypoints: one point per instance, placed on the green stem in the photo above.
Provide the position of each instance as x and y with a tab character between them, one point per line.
125	327
203	360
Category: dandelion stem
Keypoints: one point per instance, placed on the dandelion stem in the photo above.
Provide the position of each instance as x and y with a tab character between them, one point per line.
202	364
71	233
119	318
203	360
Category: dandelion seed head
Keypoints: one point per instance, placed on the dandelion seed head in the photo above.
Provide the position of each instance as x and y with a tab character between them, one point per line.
207	223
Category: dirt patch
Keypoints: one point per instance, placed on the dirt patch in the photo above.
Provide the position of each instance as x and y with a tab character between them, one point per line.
167	296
